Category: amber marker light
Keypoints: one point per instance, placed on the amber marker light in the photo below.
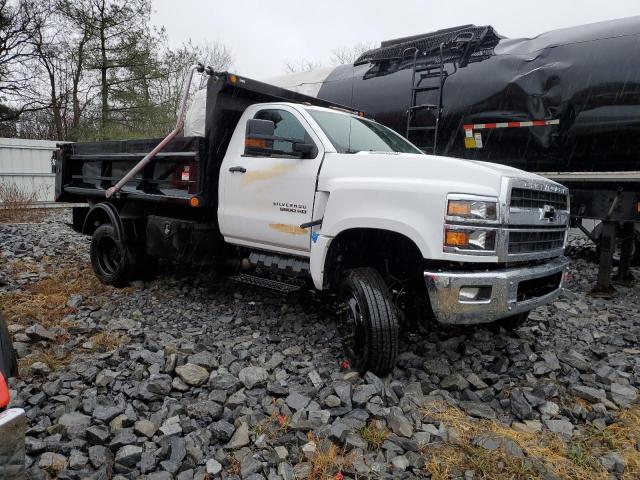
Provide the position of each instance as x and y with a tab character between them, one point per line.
194	202
456	238
255	143
458	208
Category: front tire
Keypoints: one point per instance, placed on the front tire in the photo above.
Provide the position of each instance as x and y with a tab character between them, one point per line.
369	323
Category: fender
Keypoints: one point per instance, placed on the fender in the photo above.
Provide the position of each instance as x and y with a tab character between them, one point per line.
102	210
322	242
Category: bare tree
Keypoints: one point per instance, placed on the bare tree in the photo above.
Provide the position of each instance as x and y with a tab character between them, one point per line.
175	65
79	32
47	44
91	69
16	27
301	65
339	56
346	55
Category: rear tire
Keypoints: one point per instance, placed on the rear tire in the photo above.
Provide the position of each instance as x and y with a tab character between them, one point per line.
369	323
110	258
513	322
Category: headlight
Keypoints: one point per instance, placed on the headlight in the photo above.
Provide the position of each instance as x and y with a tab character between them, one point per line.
467	209
469	239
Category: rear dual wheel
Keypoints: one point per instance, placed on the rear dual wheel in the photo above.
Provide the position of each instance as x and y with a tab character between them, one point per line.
115	262
369	321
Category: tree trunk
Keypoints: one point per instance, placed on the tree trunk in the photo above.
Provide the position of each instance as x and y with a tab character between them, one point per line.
103	74
77	111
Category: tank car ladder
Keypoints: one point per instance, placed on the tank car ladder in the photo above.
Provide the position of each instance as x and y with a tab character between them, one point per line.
463	44
430	71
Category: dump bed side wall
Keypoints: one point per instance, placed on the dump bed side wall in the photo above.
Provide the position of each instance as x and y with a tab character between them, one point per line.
177	174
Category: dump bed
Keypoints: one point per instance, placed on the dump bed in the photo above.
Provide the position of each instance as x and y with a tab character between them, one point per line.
185	172
89	169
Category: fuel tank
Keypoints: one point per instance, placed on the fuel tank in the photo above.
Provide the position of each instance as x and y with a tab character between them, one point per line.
567	100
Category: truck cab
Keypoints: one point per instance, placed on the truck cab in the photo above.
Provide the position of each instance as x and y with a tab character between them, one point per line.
291	187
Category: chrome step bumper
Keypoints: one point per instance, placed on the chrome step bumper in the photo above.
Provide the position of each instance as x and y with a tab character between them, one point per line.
499	293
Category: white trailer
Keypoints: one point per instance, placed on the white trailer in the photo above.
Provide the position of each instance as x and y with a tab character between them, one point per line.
26	164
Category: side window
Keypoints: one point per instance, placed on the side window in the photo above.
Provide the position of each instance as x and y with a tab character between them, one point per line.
287	126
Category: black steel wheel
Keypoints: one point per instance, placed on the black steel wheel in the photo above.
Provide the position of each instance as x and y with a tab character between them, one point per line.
110	258
369	322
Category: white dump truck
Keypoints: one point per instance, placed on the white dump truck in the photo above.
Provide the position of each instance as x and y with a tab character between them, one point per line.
296	189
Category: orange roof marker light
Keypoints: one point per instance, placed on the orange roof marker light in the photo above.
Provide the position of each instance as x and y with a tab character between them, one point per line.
233	78
194	202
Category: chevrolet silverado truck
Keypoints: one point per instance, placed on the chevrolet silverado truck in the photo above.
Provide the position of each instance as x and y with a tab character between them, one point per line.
292	189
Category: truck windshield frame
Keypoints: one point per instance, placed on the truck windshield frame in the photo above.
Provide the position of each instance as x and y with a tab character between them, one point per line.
351	134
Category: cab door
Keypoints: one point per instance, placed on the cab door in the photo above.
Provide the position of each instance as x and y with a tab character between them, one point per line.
267	196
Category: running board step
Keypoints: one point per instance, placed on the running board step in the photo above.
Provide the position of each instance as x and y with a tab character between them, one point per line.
291	266
281	287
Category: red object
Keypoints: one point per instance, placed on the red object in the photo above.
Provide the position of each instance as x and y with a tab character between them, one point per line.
345	365
4	392
339	476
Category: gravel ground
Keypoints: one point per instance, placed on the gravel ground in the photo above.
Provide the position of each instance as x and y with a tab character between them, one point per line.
190	376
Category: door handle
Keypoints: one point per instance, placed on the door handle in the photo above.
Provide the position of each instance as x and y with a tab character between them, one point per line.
237	169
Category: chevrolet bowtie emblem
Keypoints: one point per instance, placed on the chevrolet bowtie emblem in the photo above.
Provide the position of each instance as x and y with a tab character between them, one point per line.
549	212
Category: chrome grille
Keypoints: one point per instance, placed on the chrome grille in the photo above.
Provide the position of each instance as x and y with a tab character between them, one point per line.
526	198
532	241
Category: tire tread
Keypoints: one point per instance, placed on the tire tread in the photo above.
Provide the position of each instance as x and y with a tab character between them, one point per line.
384	332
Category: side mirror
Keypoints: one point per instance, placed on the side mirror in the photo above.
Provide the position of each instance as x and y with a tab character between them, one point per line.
258	138
305	150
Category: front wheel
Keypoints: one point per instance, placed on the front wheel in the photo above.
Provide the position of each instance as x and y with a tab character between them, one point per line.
369	323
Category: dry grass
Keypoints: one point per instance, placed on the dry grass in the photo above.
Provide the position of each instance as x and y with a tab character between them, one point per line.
374	436
577	460
108	341
234	468
48	356
328	461
452	460
15	203
45	301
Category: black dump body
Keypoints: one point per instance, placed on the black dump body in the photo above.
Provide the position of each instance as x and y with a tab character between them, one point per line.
187	169
586	78
89	169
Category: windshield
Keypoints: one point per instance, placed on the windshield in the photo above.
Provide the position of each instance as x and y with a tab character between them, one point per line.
350	134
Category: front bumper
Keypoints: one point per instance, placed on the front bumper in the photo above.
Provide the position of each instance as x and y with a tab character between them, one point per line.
508	292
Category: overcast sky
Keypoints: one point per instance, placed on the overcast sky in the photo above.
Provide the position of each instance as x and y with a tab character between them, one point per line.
264	34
